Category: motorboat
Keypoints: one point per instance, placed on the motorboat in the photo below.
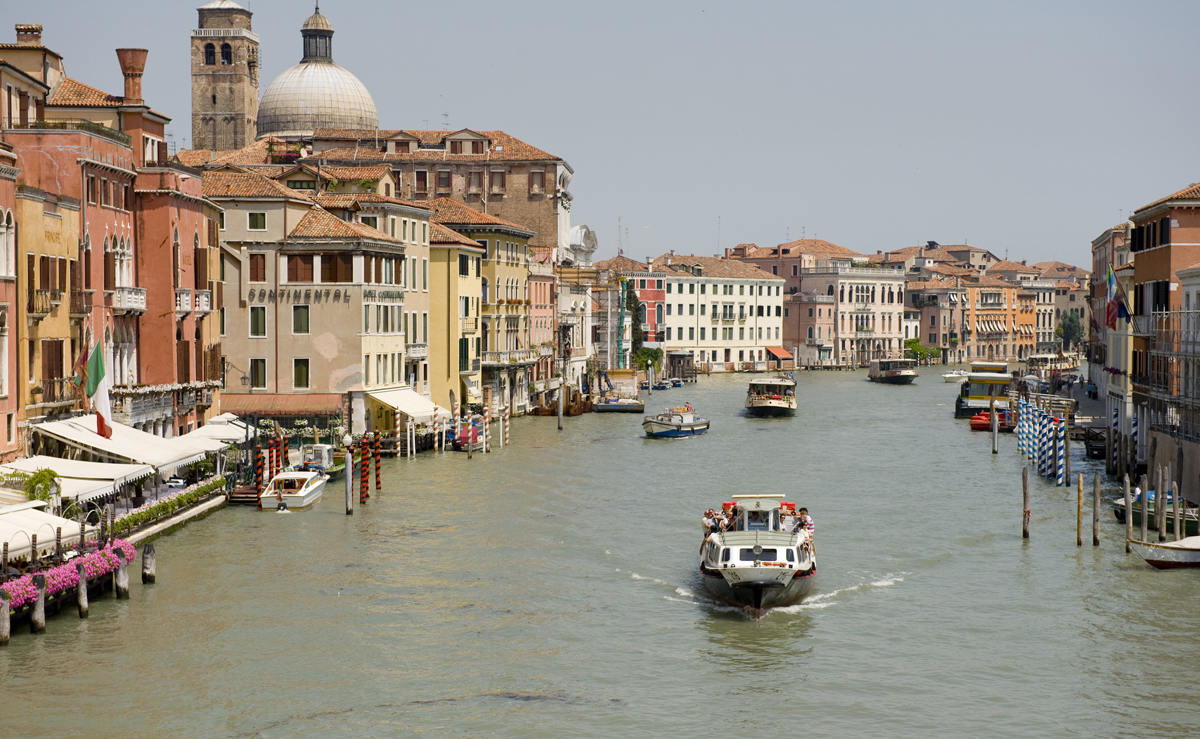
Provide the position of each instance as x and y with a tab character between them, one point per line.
985	381
758	564
611	404
1169	554
662	385
773	396
1191	516
322	458
673	423
296	490
675	382
955	376
982	421
893	371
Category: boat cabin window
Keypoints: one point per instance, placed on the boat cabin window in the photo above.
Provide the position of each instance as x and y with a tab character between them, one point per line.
758	520
725	555
768	555
790	555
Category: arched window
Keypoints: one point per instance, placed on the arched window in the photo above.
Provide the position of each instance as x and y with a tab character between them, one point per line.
841	293
485	290
829	291
226	54
658	313
210	54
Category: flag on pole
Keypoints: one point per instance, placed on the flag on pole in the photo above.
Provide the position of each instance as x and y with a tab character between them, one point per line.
97	390
1118	306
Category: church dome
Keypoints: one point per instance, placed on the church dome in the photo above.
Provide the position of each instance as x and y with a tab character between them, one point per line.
316	93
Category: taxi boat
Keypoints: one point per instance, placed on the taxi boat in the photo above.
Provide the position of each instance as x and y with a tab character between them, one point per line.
985	380
893	371
322	458
675	422
758	565
296	490
773	396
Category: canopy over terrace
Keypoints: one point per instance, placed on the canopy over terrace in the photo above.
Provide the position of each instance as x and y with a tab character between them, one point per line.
407	402
127	444
78	480
319	409
779	352
21	522
225	427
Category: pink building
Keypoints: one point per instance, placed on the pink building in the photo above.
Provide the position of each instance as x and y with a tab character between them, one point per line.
9	398
541	312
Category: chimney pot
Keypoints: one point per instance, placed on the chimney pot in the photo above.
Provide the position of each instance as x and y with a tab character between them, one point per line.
29	33
133	63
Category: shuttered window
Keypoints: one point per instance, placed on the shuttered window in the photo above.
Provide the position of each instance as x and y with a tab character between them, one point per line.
300	268
258	267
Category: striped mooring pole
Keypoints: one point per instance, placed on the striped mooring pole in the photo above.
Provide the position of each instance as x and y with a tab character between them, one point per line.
1133	434
287	452
364	471
1115	432
507	423
258	470
1061	472
378	466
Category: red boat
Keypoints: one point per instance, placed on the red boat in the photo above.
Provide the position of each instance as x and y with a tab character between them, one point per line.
982	421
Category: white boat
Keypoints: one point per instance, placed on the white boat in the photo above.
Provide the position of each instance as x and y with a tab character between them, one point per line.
297	490
1169	554
758	565
893	371
773	396
957	375
675	422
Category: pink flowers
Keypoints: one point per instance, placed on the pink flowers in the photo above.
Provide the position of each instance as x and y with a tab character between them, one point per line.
65	577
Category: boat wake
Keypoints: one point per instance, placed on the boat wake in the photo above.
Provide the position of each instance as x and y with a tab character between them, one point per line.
825	600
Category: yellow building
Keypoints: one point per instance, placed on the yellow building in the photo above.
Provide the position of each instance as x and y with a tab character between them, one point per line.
455	344
990	331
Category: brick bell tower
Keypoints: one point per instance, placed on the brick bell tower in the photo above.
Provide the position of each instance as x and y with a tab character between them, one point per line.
224	78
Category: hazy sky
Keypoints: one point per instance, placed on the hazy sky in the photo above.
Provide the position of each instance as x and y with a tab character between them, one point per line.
1025	128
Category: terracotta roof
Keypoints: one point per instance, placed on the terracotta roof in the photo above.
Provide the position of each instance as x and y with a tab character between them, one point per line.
74	92
306	404
947	269
511	149
986	281
796	248
337	172
1068	285
621	263
257	152
1059	268
1010	266
350	199
711	267
1191	192
454	213
319	223
933	283
439	234
245	185
37	47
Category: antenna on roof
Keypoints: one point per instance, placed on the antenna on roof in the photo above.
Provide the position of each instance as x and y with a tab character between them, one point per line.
718	234
445	121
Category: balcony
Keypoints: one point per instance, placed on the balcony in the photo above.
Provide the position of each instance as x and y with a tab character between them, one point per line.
183	302
39	305
470	325
81	303
816	342
1144	326
185	401
861	305
644	326
417	351
55	392
128	301
56	298
467	366
512	356
864	333
203	301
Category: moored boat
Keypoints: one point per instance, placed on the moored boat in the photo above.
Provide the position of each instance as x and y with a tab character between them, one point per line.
322	458
773	396
982	421
1191	516
609	404
893	371
675	382
759	564
1169	554
985	380
674	423
296	490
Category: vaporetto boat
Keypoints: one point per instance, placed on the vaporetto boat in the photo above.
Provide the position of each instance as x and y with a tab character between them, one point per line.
675	422
758	564
773	396
893	371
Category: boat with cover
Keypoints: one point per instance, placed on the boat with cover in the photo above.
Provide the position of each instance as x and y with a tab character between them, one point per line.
983	381
675	382
611	404
982	421
322	458
758	564
893	371
1169	554
1191	516
955	376
296	490
675	422
773	396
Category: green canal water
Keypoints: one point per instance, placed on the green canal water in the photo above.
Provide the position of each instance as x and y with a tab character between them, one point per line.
550	589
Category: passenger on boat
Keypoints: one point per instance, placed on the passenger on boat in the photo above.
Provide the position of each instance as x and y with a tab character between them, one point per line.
787	522
806	521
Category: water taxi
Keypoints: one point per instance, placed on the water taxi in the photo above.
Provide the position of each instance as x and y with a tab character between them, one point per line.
893	371
983	381
673	423
955	376
758	563
322	458
294	491
773	396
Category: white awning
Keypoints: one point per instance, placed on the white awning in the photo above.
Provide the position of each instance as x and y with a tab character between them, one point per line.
473	394
165	455
410	403
229	432
117	474
206	443
20	523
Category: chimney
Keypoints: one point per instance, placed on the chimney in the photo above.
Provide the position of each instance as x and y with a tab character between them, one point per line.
133	61
1022	262
879	251
29	34
931	244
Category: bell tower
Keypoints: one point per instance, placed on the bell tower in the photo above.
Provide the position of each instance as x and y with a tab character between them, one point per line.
224	78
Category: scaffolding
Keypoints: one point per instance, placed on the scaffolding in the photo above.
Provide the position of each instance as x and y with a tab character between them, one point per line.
1173	381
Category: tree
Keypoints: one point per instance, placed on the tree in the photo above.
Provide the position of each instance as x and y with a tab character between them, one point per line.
914	350
635	308
1070	329
646	354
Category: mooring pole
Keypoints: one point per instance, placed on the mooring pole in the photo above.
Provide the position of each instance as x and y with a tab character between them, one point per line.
5	619
149	565
1145	509
37	619
1128	516
1079	512
81	594
121	576
995	423
1095	510
1025	515
349	467
1175	509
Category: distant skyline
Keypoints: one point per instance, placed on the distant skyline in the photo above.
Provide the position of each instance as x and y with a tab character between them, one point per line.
1023	128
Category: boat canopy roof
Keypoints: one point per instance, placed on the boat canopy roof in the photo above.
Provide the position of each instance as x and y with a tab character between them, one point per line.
989	366
783	381
989	378
765	502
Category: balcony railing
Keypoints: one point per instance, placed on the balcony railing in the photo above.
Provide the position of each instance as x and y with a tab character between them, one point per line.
864	333
81	303
183	302
511	356
39	304
470	324
55	391
418	351
128	300
1143	326
203	302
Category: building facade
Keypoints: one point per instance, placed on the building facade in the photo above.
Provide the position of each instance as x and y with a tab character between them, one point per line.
10	295
455	361
224	60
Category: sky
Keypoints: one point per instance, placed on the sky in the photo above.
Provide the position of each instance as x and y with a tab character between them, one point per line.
1026	128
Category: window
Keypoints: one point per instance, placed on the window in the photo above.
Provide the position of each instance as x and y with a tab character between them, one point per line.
210	54
372	221
258	373
476	147
443	180
464	265
221	220
641	284
475	181
300	374
299	319
537	181
702	332
256	221
498	179
692	333
222	316
422	181
258	321
668	288
455	147
691	288
337	268
258	268
668	333
300	268
425	328
302	184
226	54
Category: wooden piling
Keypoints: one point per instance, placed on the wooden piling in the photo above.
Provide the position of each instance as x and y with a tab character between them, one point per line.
5	618
149	566
33	552
349	474
561	387
1175	510
4	564
364	471
121	575
1079	512
1095	510
1067	445
1128	516
1108	450
995	423
37	619
1160	506
1025	502
1145	509
58	550
81	594
378	466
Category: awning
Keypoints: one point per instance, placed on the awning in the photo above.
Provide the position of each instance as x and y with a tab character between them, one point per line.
779	352
117	474
473	395
20	523
165	455
228	432
265	404
410	403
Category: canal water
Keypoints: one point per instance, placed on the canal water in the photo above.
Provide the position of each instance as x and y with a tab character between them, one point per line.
550	589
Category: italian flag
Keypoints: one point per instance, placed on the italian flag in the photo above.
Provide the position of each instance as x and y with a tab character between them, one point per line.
97	390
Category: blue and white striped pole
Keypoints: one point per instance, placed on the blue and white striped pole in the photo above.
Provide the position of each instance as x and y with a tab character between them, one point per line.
1061	474
1134	434
1115	437
1041	460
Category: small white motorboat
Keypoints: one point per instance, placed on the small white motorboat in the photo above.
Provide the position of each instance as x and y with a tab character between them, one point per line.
957	375
1169	554
675	422
296	491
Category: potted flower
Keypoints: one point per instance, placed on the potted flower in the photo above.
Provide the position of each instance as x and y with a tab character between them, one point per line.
500	301
528	302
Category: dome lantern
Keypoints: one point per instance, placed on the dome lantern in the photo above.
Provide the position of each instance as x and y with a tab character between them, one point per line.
318	38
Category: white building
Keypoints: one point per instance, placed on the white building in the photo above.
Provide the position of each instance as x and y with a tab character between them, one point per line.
869	320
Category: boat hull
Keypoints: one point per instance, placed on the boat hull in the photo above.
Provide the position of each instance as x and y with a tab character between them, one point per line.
660	430
766	592
905	378
619	408
955	379
1191	525
1169	556
769	408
